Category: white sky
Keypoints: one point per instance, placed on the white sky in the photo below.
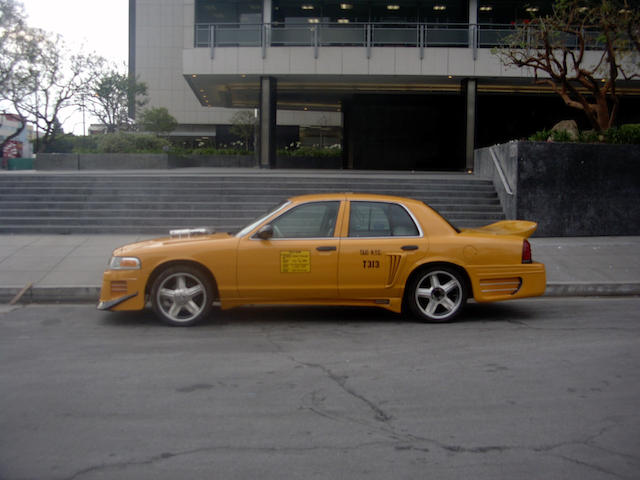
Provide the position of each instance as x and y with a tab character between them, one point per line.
90	25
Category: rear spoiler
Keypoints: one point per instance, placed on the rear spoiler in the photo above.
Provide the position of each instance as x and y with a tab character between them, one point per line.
519	228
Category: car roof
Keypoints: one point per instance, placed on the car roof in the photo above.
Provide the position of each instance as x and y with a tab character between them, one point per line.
373	197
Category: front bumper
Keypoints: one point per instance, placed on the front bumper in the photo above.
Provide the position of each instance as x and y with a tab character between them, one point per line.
122	290
108	305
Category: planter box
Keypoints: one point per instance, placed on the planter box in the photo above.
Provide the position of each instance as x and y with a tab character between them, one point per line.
137	161
286	161
19	163
570	189
220	161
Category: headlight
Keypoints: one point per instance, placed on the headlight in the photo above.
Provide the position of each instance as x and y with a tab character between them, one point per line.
124	263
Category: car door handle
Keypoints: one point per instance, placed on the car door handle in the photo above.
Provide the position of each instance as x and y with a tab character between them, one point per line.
326	248
409	247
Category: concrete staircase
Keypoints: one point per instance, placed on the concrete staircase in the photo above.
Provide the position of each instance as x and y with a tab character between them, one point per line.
153	203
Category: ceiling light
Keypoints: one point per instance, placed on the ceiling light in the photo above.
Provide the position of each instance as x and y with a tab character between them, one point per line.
486	8
307	7
313	20
532	9
439	8
393	7
343	20
346	6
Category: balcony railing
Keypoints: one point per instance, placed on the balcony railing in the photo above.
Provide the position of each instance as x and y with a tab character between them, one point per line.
367	35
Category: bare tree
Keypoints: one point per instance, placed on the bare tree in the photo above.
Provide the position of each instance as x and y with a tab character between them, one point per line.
582	51
53	83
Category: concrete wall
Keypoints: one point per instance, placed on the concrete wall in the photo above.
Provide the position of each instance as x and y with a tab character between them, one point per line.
569	189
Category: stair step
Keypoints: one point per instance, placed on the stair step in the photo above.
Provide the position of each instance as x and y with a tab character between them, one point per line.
153	204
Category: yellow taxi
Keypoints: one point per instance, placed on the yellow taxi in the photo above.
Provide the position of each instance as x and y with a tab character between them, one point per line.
328	249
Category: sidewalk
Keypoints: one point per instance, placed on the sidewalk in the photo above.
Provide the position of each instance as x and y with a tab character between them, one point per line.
68	268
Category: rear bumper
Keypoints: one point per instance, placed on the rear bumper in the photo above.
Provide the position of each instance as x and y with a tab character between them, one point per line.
498	282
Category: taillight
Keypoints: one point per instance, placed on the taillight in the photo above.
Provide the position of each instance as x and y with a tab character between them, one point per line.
526	252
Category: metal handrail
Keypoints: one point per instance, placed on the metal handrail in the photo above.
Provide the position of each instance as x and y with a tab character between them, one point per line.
365	34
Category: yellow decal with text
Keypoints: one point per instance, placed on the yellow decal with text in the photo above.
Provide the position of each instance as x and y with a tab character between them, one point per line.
295	261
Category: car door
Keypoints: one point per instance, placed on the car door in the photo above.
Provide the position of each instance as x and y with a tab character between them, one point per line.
382	238
300	260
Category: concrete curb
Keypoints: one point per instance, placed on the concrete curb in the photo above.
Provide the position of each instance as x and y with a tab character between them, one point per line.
583	289
91	294
54	294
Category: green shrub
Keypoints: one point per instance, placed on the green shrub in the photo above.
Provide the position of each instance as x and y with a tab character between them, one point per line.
123	142
85	144
324	152
561	136
591	136
624	134
540	136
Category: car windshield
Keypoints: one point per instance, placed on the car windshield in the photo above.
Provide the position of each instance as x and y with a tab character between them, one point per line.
262	218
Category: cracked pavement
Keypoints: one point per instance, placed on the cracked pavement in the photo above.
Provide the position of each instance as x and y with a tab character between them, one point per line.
543	388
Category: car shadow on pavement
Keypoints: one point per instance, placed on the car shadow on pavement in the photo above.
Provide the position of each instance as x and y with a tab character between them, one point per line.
278	315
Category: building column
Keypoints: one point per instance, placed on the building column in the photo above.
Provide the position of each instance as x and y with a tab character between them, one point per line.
267	122
266	11
470	87
473	27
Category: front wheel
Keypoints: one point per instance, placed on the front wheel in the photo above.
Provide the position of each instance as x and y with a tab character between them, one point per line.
182	295
437	294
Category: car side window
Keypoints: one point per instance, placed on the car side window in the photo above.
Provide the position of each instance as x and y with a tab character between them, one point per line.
380	219
310	220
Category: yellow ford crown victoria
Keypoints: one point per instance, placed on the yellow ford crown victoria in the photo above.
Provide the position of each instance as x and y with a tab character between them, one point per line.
329	249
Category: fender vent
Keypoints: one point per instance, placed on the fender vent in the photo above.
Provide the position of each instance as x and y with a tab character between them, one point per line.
500	286
394	264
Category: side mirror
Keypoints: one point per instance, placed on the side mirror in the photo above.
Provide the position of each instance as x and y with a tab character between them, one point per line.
265	233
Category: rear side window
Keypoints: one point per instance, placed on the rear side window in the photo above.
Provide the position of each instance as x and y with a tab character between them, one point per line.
380	219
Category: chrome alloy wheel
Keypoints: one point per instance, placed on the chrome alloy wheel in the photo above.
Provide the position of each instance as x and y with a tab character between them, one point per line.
439	295
181	297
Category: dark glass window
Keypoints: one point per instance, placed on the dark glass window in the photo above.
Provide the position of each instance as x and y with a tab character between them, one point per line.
359	11
379	219
310	220
507	12
227	11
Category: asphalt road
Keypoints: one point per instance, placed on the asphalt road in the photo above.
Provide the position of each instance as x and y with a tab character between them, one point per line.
534	389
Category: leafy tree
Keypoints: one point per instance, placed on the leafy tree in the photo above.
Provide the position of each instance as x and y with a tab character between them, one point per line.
18	44
157	120
559	49
110	97
243	126
60	141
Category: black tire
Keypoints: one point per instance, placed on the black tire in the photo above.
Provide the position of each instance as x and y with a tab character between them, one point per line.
437	294
182	295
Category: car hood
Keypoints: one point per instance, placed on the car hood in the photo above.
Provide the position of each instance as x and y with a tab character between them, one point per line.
133	249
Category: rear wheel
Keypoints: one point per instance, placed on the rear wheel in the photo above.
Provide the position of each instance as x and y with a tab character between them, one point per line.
437	294
182	295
